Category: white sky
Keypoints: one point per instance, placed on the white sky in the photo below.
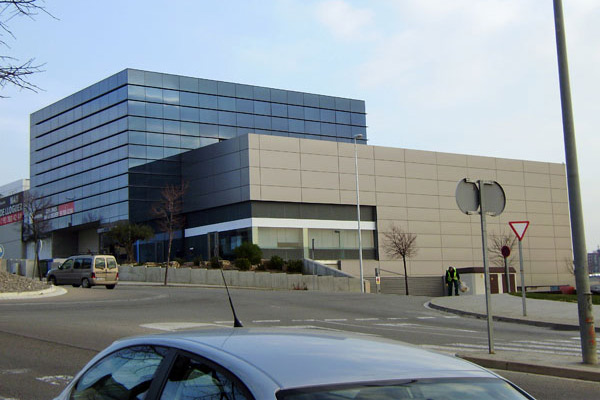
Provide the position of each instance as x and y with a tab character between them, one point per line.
463	76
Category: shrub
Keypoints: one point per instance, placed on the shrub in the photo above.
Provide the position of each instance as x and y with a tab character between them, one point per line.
198	260
250	251
294	266
276	263
243	264
215	263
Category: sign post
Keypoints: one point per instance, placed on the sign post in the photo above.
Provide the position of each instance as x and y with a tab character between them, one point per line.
505	254
488	197
519	228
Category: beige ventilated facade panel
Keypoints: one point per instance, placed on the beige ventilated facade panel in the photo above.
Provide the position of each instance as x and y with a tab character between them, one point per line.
415	190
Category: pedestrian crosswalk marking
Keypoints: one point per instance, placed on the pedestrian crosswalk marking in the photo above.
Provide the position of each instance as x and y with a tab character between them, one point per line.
554	346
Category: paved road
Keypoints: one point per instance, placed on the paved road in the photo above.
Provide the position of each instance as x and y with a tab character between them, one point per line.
72	327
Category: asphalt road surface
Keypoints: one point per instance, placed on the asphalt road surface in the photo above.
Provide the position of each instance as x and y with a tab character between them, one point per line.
44	342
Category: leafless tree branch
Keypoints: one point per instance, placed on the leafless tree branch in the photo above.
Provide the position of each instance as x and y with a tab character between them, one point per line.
168	213
400	244
12	71
495	244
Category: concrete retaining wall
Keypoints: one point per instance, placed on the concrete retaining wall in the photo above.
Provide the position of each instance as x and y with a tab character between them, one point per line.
263	280
311	267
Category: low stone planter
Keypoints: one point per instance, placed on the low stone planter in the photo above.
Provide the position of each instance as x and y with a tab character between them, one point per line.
248	279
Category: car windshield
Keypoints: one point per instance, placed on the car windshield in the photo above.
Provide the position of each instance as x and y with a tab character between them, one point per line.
421	389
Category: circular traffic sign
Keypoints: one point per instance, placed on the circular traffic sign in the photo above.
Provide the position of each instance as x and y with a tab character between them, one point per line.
505	251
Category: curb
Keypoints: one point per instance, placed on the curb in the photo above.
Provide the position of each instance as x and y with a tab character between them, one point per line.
52	291
545	324
581	372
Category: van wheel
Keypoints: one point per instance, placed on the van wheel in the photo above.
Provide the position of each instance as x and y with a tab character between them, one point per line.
52	280
85	283
110	286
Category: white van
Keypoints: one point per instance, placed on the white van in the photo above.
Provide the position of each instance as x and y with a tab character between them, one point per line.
86	271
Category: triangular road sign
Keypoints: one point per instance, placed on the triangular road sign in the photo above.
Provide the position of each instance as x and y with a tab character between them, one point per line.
519	228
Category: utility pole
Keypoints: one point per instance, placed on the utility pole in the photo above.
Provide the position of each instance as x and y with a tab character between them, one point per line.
584	296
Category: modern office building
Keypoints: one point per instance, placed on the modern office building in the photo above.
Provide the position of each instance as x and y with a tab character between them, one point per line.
276	168
84	147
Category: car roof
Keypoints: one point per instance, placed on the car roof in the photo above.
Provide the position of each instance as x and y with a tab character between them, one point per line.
91	255
292	358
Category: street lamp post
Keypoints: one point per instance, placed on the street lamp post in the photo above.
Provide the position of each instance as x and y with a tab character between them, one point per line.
360	258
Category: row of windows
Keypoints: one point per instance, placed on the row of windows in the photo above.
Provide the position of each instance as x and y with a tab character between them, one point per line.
83	125
91	179
209	112
73	149
78	98
205	86
85	164
225	118
81	192
173	97
178	141
94	201
79	112
107	214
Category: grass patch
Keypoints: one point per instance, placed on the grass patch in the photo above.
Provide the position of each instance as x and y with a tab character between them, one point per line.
569	298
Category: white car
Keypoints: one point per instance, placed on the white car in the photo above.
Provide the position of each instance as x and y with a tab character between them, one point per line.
280	364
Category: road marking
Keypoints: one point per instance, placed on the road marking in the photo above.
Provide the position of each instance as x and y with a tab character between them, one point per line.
335	319
366	319
450	316
425	317
175	326
56	380
395	319
423	327
505	347
14	371
266	321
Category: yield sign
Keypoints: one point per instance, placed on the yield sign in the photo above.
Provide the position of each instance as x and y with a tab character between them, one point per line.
519	228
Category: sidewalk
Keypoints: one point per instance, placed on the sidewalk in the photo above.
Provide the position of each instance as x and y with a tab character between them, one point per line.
553	314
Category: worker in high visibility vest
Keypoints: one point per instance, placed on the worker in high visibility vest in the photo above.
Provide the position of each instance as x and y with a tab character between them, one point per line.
452	279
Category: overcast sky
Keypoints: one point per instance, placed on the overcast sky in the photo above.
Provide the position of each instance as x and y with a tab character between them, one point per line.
463	76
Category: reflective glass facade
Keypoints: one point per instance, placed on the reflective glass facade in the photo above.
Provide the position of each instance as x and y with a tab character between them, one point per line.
83	146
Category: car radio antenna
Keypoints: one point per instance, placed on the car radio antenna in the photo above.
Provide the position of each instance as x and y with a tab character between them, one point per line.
236	321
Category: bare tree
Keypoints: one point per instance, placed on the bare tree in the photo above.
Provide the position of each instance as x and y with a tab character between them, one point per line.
495	244
13	71
169	215
400	244
36	224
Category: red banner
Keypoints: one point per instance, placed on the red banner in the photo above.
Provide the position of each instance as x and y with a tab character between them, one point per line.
9	219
